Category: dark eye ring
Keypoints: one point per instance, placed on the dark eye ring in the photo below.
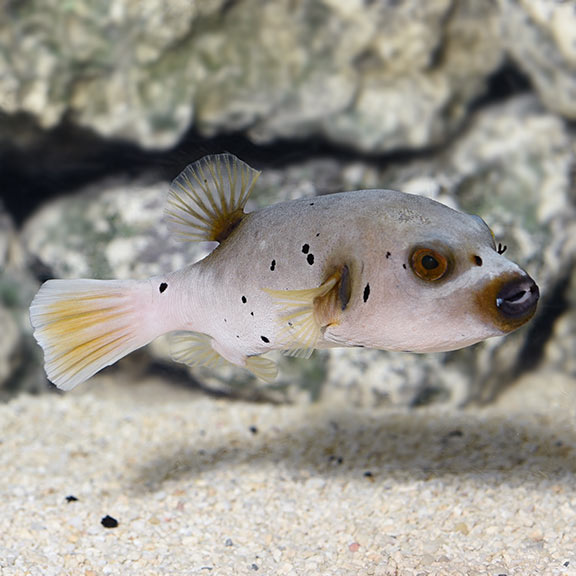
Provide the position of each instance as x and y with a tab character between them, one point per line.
429	264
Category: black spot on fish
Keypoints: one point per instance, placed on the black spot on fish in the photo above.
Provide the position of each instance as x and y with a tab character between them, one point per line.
273	265
388	254
317	234
163	287
477	260
404	266
243	299
237	336
264	339
251	313
366	294
311	204
310	259
306	248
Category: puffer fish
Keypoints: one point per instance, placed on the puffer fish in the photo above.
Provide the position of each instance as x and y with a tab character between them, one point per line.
370	268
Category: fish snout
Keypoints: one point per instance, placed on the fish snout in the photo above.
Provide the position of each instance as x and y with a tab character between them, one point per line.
518	298
508	301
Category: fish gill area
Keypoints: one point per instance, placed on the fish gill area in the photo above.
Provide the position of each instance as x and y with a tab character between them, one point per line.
471	103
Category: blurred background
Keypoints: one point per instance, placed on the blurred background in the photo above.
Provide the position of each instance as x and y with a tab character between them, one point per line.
472	103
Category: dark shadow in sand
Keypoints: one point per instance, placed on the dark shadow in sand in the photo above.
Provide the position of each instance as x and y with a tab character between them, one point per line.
380	446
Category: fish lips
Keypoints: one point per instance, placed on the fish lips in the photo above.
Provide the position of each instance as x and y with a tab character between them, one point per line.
509	301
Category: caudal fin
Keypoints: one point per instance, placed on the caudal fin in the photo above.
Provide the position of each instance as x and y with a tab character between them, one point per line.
85	325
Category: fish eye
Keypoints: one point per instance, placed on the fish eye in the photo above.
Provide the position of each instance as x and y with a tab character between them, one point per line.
429	263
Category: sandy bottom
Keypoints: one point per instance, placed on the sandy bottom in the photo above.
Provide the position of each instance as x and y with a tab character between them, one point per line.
213	487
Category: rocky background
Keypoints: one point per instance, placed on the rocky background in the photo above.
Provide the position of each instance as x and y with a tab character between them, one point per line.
470	102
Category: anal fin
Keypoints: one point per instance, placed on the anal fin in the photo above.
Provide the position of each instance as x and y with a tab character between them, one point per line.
263	368
207	199
195	349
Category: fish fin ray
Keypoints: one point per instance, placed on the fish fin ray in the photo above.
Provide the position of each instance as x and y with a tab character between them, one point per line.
86	325
194	349
263	368
207	199
304	353
301	323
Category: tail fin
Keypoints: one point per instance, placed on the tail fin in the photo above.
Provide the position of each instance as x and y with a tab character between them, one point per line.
85	325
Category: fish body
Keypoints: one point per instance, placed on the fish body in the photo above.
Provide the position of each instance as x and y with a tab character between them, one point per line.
371	268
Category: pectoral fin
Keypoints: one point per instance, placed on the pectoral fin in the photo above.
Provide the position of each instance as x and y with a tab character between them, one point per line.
306	313
207	199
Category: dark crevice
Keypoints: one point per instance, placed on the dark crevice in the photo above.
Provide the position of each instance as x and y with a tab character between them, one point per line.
62	160
540	330
505	83
37	165
67	158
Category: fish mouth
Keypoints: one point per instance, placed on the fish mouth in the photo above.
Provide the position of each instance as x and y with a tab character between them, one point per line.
518	298
509	301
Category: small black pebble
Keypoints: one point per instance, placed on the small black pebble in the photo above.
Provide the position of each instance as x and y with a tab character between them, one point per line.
255	567
388	254
109	522
253	429
228	542
566	564
455	434
368	474
71	498
163	287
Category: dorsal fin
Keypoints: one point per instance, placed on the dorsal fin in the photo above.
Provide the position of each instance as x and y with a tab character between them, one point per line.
207	199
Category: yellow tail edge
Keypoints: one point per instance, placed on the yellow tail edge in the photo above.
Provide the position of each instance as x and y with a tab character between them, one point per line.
86	325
